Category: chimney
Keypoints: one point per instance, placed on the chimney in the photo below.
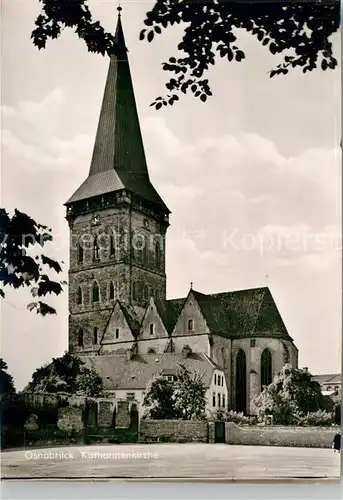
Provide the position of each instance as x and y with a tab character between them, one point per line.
186	350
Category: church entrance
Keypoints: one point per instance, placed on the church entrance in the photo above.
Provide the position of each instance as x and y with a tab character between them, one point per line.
241	382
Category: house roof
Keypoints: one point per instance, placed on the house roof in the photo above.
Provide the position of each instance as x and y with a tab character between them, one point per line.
118	372
118	160
334	379
250	312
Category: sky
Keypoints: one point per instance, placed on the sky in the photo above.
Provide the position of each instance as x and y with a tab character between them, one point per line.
252	177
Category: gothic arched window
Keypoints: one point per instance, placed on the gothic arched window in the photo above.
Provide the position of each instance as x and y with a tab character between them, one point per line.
95	292
80	253
134	291
266	368
145	293
95	335
145	251
80	338
241	381
286	355
222	357
138	242
139	290
112	245
79	296
111	291
158	255
96	250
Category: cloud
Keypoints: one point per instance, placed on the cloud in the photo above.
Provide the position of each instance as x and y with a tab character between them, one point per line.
30	135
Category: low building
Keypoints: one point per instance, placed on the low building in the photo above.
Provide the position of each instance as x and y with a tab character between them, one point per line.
127	376
330	384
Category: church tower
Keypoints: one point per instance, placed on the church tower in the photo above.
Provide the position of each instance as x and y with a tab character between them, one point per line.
117	220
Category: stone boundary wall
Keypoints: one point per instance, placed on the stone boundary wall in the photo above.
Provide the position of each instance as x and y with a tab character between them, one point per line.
173	431
302	437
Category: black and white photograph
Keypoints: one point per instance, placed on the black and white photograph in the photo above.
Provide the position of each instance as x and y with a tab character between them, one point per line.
171	241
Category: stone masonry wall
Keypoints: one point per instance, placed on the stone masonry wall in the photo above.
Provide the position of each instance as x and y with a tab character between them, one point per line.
105	413
123	415
177	431
302	437
70	419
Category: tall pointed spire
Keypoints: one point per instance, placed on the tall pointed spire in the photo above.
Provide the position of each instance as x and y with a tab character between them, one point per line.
118	160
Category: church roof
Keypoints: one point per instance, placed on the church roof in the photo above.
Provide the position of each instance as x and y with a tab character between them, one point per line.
251	312
169	311
118	372
118	160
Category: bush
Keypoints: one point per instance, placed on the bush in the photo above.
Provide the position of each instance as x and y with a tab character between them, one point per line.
318	418
236	418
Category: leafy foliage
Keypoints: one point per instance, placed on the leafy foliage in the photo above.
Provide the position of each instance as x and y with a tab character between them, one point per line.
237	418
158	400
291	397
57	15
320	418
66	374
189	395
299	30
18	235
6	380
184	399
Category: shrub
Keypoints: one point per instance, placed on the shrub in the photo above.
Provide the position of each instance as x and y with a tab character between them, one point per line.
318	418
236	418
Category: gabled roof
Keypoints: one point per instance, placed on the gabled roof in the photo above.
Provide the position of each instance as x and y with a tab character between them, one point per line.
118	160
131	318
170	310
251	312
118	372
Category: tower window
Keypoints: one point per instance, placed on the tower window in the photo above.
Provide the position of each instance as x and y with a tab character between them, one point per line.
223	400
80	338
96	252
111	291
79	296
215	379
117	333
80	253
145	293
158	255
134	291
95	336
139	290
152	329
214	399
112	245
219	400
190	325
145	251
157	293
95	292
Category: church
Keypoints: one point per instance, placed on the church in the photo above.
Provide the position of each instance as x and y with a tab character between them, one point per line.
120	320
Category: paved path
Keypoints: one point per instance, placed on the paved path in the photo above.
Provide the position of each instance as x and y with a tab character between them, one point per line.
174	461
